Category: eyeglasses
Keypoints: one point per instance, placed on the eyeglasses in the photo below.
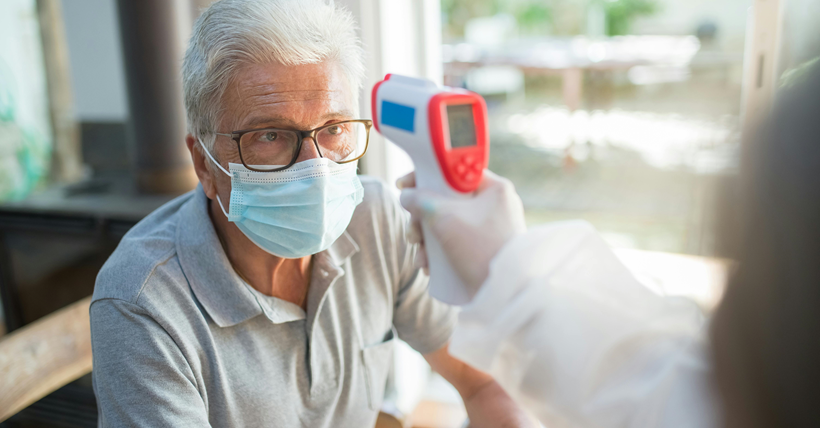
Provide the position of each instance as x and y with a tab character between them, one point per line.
274	149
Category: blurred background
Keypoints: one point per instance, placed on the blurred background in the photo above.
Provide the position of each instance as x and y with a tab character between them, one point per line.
627	113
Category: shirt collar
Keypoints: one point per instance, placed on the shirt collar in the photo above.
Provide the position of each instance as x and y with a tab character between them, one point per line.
224	295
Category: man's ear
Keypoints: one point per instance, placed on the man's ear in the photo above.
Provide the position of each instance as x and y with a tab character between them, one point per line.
203	170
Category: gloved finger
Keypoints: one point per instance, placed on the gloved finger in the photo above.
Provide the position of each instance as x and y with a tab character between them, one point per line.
413	233
492	180
503	189
421	261
407	181
498	189
421	204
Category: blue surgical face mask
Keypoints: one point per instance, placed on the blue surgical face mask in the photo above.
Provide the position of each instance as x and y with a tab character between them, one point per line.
296	212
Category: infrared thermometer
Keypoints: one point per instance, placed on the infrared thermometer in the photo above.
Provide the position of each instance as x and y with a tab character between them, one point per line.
445	132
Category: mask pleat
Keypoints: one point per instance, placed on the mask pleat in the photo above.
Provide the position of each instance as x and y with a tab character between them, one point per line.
296	212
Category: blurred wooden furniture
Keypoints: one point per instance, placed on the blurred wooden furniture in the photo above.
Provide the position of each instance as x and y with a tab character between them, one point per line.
387	420
43	356
434	414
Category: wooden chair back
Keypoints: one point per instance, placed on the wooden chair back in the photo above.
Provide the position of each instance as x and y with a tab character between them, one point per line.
44	356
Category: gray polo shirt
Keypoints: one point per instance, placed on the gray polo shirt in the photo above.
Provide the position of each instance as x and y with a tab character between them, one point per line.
180	340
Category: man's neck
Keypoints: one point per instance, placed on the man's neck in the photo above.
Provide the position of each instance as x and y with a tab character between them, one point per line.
287	279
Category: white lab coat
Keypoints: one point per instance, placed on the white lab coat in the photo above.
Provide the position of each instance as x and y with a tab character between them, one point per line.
566	329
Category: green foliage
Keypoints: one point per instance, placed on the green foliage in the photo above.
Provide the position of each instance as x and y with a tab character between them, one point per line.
621	13
457	12
534	17
25	155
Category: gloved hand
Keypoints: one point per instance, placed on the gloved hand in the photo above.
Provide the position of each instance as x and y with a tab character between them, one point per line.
470	231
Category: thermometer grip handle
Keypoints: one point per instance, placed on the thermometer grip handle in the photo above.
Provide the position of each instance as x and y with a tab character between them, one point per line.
445	285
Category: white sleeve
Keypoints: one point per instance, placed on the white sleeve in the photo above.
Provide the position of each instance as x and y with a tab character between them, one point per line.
565	328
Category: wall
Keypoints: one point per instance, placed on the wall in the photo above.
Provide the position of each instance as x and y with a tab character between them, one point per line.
95	54
403	37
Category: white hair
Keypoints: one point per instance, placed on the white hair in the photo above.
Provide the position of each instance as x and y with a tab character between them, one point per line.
230	33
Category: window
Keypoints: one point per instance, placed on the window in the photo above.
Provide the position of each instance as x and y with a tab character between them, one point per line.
625	113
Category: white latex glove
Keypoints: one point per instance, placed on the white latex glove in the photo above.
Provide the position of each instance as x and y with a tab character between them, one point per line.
470	231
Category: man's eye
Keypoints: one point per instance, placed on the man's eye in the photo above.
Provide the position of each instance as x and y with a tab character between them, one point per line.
269	136
334	130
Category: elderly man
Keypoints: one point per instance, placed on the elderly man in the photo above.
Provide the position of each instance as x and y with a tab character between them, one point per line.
272	294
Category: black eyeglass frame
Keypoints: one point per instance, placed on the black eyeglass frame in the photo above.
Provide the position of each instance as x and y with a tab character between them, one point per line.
237	137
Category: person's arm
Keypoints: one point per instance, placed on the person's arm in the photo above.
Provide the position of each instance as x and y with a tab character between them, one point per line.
486	402
426	324
569	332
561	324
141	378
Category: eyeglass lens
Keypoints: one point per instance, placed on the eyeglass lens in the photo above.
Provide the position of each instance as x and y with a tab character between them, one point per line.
277	147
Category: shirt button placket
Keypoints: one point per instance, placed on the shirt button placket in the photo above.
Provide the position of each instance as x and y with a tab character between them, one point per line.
323	361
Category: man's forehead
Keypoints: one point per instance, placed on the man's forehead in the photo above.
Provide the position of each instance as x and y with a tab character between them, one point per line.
311	80
300	93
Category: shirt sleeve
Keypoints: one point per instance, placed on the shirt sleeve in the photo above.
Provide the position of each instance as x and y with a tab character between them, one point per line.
425	323
141	378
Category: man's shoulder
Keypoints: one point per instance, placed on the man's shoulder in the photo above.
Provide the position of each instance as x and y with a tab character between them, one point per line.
378	197
378	222
141	254
373	187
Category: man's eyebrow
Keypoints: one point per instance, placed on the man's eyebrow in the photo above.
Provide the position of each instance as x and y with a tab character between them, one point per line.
281	121
275	121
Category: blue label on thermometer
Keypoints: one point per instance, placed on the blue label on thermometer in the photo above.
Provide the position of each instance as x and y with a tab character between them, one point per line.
398	116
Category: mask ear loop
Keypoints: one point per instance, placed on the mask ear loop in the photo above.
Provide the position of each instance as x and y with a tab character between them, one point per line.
218	200
212	158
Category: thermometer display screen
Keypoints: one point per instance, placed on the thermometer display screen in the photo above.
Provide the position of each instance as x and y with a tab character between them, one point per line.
462	125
